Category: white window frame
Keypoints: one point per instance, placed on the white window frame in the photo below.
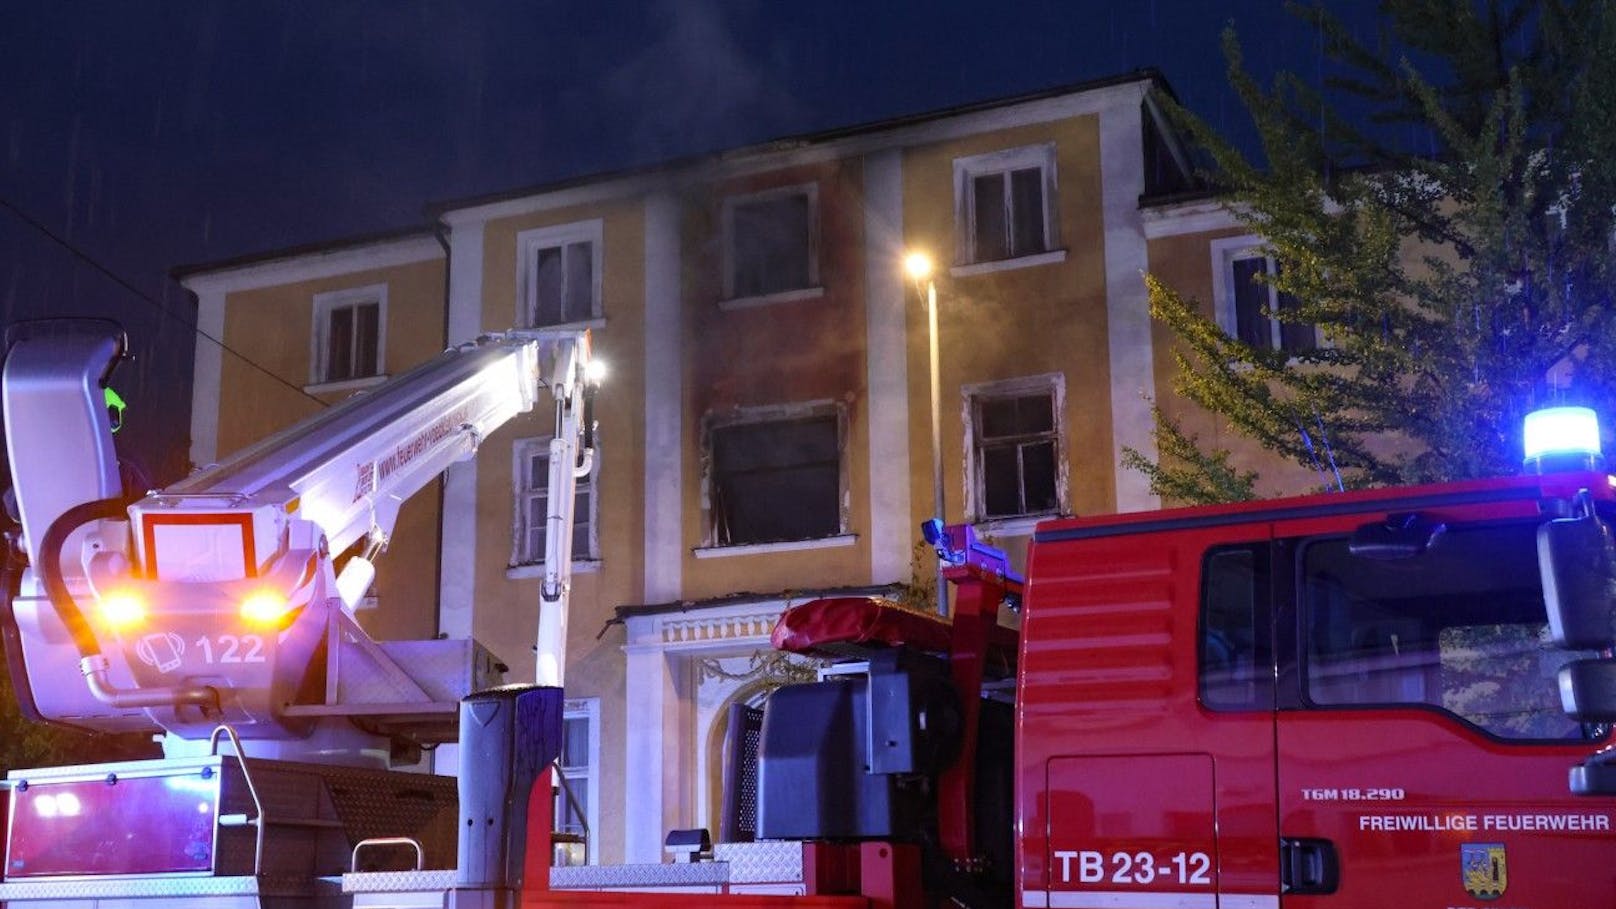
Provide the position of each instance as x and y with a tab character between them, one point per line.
1225	252
1053	384
774	414
324	304
813	289
521	566
528	244
966	170
587	709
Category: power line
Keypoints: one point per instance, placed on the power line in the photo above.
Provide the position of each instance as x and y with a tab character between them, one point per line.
91	261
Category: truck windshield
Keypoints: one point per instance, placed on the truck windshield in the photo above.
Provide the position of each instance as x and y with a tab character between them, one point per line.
1461	628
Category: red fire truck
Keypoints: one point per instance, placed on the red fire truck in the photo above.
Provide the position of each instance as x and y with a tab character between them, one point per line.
1396	697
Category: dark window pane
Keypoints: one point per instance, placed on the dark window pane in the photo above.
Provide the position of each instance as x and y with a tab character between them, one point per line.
580	523
1250	299
1296	337
771	245
1027	212
776	481
1233	646
339	345
367	340
549	283
1464	630
580	283
1001	481
1038	477
1017	416
988	230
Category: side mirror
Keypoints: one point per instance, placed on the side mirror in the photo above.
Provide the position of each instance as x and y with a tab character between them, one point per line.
1577	560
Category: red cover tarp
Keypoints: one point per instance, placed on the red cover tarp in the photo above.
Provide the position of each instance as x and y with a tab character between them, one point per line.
819	626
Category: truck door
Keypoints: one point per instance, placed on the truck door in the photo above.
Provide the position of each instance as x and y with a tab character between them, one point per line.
1422	751
1147	721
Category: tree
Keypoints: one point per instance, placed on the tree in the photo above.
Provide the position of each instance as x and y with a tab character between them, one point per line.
1442	211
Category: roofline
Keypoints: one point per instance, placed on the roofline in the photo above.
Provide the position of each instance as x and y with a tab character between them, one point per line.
218	267
649	173
668	168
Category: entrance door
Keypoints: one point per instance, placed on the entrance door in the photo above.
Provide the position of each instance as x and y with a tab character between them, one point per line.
1424	760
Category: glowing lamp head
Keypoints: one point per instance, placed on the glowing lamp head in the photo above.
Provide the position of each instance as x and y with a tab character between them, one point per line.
263	608
595	372
120	610
1562	438
917	265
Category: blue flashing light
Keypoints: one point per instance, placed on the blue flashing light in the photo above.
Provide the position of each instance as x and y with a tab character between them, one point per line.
1562	433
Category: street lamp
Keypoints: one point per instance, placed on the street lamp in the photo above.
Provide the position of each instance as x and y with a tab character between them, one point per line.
919	267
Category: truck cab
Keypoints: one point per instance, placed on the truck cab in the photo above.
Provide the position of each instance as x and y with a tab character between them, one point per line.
1339	701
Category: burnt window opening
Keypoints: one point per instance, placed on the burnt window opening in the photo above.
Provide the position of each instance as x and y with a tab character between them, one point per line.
1017	454
776	480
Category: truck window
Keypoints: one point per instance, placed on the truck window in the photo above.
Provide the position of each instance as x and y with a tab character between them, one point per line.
1235	666
1461	628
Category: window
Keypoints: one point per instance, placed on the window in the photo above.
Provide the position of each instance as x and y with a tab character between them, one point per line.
776	478
1235	665
1461	629
576	811
1015	448
350	329
532	472
1246	302
771	242
1004	204
559	275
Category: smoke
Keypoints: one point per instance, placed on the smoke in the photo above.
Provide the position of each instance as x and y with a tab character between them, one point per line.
700	79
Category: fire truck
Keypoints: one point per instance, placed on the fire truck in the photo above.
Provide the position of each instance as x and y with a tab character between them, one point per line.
1396	697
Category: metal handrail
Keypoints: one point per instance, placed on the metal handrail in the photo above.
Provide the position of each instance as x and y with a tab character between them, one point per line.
572	801
252	790
420	854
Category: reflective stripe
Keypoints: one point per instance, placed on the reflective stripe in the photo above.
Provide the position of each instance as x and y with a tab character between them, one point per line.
1133	899
1248	901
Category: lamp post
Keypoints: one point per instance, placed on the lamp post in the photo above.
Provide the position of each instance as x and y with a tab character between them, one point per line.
919	267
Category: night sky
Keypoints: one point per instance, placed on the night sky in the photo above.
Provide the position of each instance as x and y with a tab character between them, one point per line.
153	134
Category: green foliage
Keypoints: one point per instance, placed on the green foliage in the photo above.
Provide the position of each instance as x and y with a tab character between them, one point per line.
1190	475
1441	278
24	743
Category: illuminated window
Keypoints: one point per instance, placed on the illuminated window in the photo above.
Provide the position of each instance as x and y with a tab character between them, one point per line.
1004	204
776	476
1247	302
350	328
1015	448
559	275
771	242
532	472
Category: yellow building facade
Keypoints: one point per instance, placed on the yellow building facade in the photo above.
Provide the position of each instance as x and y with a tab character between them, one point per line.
765	425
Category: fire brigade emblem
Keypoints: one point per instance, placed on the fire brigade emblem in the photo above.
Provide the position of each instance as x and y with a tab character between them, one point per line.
1484	870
